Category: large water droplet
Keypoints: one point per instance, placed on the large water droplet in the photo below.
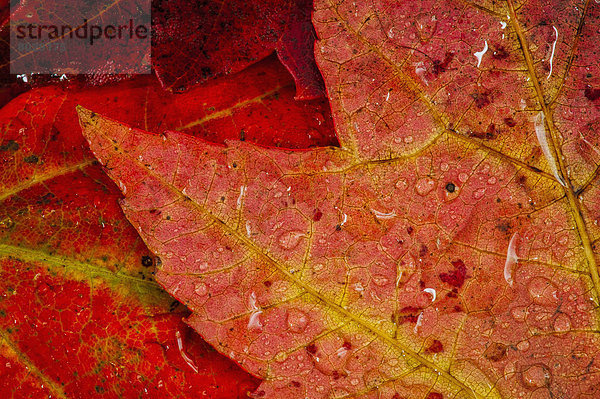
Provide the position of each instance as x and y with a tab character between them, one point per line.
424	186
290	239
509	370
296	320
542	291
537	376
426	26
562	323
200	289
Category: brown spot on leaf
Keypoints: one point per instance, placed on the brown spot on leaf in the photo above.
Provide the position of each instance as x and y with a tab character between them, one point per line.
482	98
10	145
435	347
495	352
510	122
31	159
489	134
500	53
442	66
408	314
435	395
591	93
317	215
457	276
504	226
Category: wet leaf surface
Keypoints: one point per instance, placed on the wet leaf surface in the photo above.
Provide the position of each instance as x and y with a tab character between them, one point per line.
80	312
446	250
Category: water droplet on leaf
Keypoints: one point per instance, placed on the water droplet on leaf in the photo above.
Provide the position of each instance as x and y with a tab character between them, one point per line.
200	289
562	323
479	193
290	239
297	320
537	376
380	280
542	291
424	186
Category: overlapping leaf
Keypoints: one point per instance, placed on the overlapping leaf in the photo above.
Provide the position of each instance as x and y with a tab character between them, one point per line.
80	313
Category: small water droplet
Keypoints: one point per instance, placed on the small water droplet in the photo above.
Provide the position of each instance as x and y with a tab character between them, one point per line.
562	323
523	346
380	280
200	289
479	193
281	357
444	167
290	239
424	186
354	381
408	139
537	376
318	267
519	313
201	266
492	180
402	184
547	238
297	320
542	291
463	177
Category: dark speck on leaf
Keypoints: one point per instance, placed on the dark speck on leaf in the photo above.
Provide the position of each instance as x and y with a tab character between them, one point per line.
10	145
31	159
510	122
450	187
147	261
